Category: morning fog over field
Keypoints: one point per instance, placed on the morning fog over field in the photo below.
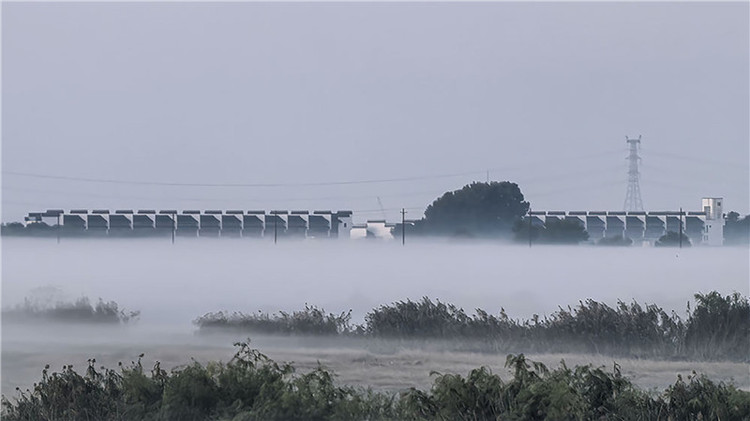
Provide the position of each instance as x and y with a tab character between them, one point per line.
171	285
463	122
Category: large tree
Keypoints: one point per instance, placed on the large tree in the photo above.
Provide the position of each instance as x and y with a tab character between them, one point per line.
478	210
737	230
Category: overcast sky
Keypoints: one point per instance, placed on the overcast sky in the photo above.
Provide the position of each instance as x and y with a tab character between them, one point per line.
428	96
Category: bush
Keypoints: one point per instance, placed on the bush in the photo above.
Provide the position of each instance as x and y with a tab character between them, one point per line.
423	319
252	387
673	239
80	310
310	321
718	328
617	240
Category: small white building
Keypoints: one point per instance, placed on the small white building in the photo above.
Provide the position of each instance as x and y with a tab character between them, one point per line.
713	230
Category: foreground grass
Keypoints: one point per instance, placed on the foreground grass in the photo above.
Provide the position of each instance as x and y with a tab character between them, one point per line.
716	328
253	387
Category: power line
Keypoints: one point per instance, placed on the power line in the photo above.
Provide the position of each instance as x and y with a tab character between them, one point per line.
292	184
578	187
288	184
69	192
674	156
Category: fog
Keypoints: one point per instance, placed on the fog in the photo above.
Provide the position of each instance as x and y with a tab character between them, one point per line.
173	284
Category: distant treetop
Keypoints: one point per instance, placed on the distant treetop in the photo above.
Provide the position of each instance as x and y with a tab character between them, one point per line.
477	210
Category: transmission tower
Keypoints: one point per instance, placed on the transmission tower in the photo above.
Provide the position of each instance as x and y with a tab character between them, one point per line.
633	200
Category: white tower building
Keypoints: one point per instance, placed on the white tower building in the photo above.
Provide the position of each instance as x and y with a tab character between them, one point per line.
713	230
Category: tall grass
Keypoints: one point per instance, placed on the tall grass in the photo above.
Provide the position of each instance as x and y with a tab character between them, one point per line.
81	310
310	321
253	387
717	327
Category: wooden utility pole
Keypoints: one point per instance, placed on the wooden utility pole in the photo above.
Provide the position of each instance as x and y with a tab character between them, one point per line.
529	226
275	224
403	226
59	227
680	227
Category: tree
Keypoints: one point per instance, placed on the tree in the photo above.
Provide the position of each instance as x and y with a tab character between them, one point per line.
736	229
554	231
564	231
616	240
12	228
478	209
672	239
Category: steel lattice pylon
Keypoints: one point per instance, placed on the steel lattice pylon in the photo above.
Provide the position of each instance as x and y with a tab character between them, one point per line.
633	200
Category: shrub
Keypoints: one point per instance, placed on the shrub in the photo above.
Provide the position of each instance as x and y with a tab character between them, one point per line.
719	327
310	321
617	240
80	310
673	239
252	387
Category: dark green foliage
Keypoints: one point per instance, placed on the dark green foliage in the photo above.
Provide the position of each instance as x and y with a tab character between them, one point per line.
37	229
12	228
702	399
630	330
252	387
737	230
672	239
79	311
719	327
565	231
617	240
624	330
417	319
69	396
477	210
554	231
310	321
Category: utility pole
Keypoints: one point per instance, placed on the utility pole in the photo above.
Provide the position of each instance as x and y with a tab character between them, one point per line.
275	224
403	226
59	227
174	225
680	227
529	226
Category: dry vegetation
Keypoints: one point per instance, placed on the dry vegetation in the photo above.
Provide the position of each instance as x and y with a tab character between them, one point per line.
79	311
717	328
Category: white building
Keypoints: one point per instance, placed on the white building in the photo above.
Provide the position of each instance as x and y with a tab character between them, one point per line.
713	229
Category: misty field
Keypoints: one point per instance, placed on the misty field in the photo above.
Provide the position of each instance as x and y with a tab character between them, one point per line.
172	285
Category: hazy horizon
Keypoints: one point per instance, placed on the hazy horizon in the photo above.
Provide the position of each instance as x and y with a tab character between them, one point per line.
350	105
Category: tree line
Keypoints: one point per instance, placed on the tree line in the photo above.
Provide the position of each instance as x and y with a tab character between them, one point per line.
499	210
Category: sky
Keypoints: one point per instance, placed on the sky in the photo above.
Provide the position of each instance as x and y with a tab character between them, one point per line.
371	107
